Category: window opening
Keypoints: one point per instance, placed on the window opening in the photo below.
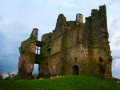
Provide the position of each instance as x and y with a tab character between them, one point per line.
37	50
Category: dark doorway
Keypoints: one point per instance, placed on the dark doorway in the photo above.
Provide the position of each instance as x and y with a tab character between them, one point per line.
75	70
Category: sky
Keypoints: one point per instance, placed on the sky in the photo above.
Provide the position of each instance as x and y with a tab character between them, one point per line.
19	17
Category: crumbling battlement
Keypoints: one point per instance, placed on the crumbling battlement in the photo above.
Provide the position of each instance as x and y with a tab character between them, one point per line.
73	48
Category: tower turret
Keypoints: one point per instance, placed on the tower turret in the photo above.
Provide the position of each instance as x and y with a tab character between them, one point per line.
79	18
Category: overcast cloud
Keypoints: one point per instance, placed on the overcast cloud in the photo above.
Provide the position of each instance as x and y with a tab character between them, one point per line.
19	17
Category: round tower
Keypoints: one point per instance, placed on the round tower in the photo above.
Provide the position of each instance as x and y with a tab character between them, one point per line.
79	18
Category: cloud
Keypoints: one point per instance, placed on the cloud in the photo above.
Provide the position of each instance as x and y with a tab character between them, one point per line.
113	27
116	68
9	63
68	3
5	46
8	54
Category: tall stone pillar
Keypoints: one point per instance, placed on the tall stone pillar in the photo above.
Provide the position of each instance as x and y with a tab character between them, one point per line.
27	56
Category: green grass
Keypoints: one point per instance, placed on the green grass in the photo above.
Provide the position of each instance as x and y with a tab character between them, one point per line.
79	82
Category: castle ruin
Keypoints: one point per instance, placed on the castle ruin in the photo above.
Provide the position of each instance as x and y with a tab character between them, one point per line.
73	48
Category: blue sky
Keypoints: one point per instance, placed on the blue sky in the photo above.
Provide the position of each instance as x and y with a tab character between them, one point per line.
19	17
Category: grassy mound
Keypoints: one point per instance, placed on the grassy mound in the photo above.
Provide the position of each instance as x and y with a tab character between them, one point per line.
79	82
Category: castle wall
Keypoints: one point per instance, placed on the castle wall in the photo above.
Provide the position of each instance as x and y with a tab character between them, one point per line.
56	45
51	66
76	55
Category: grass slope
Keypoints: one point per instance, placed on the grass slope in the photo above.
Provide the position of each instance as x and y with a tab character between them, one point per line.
79	82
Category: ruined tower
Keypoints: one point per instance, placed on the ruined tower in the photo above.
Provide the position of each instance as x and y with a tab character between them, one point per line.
73	48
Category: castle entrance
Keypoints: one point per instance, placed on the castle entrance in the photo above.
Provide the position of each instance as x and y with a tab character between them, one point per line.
75	70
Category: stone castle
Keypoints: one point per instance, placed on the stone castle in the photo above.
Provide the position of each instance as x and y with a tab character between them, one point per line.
73	48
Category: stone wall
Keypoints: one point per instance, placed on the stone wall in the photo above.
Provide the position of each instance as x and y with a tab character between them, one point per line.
27	56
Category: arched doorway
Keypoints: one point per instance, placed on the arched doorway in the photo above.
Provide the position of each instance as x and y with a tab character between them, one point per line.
75	70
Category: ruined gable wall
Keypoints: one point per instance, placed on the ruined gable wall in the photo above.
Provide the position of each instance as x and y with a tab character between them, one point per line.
53	40
27	56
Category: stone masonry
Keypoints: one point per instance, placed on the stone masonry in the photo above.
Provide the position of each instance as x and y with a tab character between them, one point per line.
73	48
